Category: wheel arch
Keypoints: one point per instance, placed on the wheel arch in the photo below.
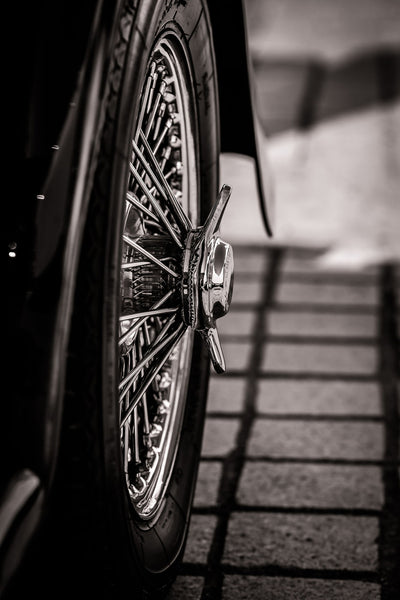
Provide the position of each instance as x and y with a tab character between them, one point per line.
240	129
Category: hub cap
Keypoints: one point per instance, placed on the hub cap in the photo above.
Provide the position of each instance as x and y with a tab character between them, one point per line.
208	279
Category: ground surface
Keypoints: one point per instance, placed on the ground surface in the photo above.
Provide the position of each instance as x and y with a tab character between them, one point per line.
298	492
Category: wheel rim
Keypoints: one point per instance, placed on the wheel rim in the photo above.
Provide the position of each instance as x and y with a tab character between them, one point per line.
154	342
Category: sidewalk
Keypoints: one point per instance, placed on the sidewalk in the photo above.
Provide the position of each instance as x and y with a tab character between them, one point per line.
298	491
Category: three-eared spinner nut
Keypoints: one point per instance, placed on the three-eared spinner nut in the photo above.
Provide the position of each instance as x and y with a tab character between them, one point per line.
208	279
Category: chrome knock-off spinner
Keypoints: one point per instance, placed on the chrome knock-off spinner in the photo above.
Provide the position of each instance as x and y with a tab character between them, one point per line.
207	281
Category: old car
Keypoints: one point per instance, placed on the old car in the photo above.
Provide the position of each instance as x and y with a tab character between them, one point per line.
114	275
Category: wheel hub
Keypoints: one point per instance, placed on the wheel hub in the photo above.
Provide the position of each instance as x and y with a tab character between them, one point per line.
147	283
207	281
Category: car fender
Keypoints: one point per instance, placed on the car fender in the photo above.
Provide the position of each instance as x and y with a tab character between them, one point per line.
241	130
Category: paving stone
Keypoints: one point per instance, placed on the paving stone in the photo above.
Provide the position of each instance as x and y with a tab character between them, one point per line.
226	394
201	531
242	222
237	323
208	478
305	485
311	167
186	588
279	87
319	358
325	293
248	261
219	437
293	264
250	587
303	439
304	541
321	324
237	355
349	86
285	396
248	292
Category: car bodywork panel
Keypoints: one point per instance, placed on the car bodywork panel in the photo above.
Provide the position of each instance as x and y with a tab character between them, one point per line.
240	129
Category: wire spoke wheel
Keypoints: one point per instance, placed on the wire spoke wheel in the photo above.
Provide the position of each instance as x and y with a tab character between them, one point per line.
154	343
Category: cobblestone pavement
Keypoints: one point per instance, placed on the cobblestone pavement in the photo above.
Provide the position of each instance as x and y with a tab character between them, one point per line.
298	489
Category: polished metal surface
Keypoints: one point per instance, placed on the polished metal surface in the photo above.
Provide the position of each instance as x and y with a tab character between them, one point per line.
176	277
208	279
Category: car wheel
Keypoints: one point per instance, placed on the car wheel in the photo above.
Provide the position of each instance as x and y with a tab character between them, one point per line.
138	372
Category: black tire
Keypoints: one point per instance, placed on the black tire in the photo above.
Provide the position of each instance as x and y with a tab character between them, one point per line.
99	544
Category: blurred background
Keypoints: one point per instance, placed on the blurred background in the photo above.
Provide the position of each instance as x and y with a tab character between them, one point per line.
327	83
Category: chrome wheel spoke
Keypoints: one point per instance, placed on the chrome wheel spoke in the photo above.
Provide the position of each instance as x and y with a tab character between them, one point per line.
151	374
133	200
146	95
143	263
155	206
158	344
161	183
132	329
150	256
148	313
